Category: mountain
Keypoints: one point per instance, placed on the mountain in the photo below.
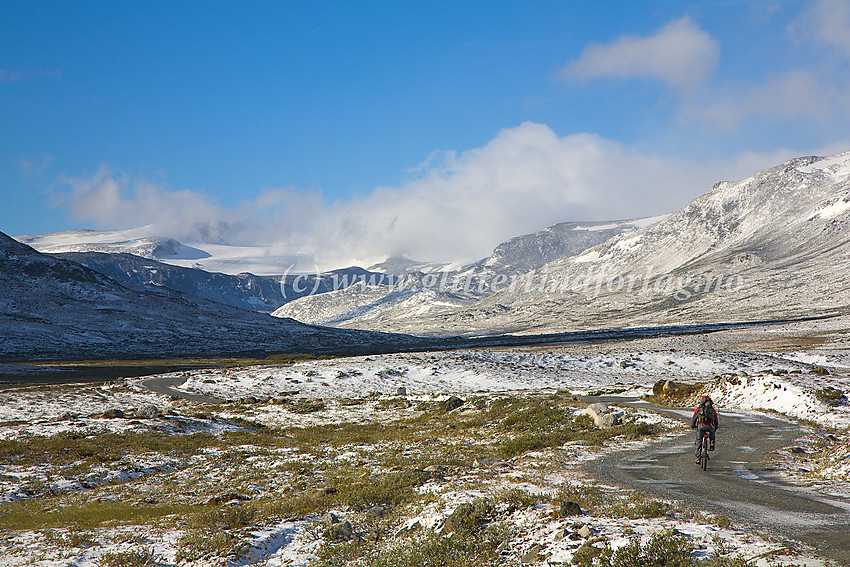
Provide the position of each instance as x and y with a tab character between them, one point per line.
246	291
531	251
113	242
209	256
52	308
427	291
775	245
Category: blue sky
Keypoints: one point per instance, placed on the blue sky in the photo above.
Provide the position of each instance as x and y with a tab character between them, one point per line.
352	130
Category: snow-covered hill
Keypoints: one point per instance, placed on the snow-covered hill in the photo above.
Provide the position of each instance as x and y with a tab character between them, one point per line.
246	291
426	291
212	257
53	308
775	245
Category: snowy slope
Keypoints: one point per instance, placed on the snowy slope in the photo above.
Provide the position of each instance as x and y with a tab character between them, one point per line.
212	257
246	291
54	308
429	291
774	245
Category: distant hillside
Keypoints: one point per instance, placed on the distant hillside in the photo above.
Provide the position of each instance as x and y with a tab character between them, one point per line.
773	246
245	291
52	308
428	291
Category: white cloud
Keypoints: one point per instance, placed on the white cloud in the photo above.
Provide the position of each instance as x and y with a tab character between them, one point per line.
797	93
458	206
680	54
114	199
826	21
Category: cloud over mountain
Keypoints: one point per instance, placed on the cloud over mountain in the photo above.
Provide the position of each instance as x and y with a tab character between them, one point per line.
454	208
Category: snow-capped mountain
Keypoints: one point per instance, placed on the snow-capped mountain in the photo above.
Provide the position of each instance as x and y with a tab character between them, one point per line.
246	291
531	251
212	257
775	245
427	291
52	308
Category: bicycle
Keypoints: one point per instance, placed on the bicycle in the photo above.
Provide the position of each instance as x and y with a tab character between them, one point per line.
703	452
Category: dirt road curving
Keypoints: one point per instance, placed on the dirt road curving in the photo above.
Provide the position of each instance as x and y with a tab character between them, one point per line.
740	482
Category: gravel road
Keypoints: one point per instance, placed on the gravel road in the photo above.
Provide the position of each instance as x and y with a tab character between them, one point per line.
740	483
165	385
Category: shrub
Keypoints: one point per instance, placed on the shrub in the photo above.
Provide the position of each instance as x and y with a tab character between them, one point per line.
134	558
830	396
664	549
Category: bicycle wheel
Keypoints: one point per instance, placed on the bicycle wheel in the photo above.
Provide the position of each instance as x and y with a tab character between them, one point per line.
703	455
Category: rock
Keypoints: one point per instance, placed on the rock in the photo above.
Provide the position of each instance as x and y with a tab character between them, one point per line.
436	471
148	411
819	371
603	416
467	517
224	498
113	413
585	531
373	536
798	450
401	391
409	530
452	403
492	463
329	519
67	416
377	512
568	508
343	531
533	555
561	534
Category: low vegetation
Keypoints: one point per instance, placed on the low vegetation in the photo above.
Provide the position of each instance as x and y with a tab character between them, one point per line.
257	476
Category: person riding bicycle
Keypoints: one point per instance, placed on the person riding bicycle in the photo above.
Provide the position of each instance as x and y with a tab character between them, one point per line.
705	421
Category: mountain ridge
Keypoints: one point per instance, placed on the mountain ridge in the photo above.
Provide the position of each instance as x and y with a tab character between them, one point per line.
53	308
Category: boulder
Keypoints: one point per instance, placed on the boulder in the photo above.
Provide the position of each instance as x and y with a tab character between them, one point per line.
401	391
148	411
568	508
378	512
585	531
603	416
342	531
452	403
113	413
532	556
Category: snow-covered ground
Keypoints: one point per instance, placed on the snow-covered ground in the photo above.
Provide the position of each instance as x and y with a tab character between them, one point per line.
783	382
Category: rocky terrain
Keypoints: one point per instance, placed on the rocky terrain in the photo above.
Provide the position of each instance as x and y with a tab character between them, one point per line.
405	459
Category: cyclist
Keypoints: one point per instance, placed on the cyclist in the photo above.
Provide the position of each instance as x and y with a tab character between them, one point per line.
705	420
